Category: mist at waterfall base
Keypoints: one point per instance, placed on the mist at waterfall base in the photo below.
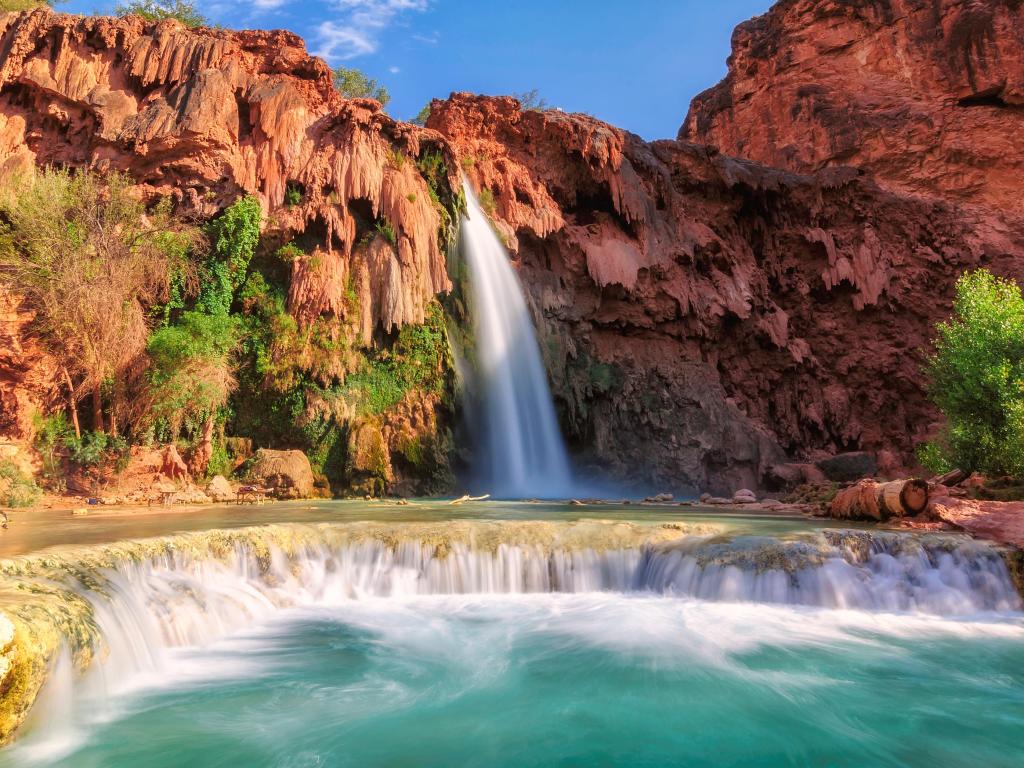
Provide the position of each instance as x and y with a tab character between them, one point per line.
898	655
519	450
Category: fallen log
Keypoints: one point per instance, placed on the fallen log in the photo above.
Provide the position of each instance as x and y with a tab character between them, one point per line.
467	497
869	500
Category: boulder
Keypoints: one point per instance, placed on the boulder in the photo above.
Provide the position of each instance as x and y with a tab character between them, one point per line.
219	489
847	467
660	498
285	474
744	496
786	477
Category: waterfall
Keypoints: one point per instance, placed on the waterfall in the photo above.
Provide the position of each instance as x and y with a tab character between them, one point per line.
521	449
121	609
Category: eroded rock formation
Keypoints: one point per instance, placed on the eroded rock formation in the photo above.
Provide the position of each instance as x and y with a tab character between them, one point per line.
207	115
927	95
709	314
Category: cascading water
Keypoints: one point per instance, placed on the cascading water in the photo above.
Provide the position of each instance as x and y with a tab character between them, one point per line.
161	613
522	453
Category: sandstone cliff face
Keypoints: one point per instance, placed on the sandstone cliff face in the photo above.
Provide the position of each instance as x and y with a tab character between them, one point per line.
208	115
927	95
701	315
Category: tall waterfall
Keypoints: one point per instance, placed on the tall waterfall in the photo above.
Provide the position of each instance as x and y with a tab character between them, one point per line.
522	452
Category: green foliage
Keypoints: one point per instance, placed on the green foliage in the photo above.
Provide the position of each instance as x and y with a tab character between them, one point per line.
292	195
976	377
396	158
433	168
422	116
191	373
531	101
354	84
158	10
16	488
934	457
52	435
387	230
98	450
417	359
234	236
486	200
13	6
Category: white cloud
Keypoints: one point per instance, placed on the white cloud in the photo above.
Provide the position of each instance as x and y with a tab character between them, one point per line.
358	32
394	70
268	5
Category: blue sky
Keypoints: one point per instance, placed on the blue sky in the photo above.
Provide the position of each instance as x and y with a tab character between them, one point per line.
634	64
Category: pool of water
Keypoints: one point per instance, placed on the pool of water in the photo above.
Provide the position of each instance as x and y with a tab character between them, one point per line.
588	679
739	640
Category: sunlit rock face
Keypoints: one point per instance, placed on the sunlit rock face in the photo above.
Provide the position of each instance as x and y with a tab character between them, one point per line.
927	95
209	115
701	315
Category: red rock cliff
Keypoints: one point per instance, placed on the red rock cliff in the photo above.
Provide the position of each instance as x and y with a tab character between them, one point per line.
703	314
208	115
927	95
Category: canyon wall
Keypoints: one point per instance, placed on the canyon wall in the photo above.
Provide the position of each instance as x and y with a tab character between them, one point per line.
926	95
206	116
703	315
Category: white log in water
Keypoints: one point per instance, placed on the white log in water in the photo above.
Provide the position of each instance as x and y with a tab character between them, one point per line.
521	451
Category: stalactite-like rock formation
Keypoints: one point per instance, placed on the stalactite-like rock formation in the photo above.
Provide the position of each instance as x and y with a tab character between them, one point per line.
708	314
208	115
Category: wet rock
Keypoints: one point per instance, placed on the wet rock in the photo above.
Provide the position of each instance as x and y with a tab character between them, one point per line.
744	496
286	474
847	467
660	498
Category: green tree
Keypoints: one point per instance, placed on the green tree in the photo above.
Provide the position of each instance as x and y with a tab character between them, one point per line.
90	259
354	84
423	115
158	10
976	377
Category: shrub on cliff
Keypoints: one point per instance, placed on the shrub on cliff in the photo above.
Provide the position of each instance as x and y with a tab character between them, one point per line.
976	378
90	260
354	84
158	10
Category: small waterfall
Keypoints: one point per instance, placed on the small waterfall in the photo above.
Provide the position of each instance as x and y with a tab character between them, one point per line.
522	451
121	610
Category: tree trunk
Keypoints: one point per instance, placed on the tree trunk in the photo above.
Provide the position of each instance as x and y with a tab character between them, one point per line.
199	461
868	500
97	409
72	403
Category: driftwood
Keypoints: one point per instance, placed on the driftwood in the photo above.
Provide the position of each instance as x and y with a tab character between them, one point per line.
868	500
951	479
467	497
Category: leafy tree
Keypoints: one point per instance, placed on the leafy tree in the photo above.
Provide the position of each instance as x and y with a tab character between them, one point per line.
422	116
90	260
158	10
354	84
191	374
976	377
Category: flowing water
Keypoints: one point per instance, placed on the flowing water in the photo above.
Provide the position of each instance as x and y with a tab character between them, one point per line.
522	453
519	642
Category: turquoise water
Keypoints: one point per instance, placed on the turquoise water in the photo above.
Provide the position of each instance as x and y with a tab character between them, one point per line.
566	679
